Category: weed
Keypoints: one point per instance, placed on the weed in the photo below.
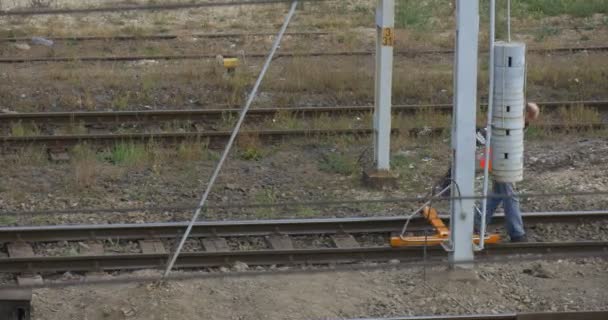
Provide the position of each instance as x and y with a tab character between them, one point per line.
85	166
76	128
577	8
29	156
576	116
129	154
152	51
194	150
236	85
413	14
338	163
284	119
305	212
7	220
265	196
121	101
19	129
545	32
250	147
131	29
251	153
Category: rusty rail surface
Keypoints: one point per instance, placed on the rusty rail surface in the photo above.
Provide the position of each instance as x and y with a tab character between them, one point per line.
406	53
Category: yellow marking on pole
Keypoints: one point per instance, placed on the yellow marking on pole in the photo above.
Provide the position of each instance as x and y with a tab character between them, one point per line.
388	37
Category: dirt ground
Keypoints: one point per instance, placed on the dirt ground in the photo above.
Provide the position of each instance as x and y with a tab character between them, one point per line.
316	168
563	285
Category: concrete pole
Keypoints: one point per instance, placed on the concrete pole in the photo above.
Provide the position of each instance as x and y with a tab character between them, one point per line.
463	131
385	39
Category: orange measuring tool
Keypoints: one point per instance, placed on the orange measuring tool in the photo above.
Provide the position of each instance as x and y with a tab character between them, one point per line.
441	235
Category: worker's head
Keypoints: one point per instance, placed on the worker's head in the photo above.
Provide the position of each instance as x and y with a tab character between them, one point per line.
532	111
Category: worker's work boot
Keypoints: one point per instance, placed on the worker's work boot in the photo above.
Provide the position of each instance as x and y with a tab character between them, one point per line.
523	238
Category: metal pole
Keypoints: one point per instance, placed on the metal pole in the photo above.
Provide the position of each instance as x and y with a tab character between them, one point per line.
385	39
509	20
463	131
235	131
486	169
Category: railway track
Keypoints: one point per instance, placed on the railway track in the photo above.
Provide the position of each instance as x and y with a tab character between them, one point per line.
155	116
199	119
217	139
210	35
277	242
574	315
405	53
255	227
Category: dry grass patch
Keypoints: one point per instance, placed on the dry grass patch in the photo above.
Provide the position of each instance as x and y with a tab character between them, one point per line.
28	156
86	166
580	115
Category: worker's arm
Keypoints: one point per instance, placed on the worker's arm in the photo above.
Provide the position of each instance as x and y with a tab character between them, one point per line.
531	112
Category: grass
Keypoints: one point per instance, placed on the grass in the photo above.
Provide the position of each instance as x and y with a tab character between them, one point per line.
121	100
414	14
265	196
7	220
130	154
193	150
85	166
250	147
576	8
580	115
339	163
20	129
546	31
29	156
294	82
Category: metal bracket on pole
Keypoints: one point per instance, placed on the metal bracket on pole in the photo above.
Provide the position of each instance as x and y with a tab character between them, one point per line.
463	131
385	40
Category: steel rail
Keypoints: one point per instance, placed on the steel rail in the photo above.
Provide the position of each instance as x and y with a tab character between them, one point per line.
405	53
212	35
216	113
217	139
169	230
146	7
572	315
289	257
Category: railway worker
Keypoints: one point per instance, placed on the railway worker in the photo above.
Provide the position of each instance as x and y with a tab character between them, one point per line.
505	192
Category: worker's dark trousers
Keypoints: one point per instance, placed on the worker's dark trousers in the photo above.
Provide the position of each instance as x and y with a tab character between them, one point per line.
513	221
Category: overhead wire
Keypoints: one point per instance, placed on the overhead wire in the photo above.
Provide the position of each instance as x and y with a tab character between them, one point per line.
233	136
488	137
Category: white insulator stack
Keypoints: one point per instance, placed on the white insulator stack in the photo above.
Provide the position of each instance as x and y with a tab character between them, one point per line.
508	112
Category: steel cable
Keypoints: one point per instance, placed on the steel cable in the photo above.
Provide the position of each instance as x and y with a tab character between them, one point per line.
233	136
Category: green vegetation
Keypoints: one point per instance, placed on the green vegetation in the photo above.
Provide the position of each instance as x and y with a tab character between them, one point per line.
250	147
418	14
576	8
129	154
545	32
193	151
265	196
338	163
7	220
19	129
251	153
121	101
